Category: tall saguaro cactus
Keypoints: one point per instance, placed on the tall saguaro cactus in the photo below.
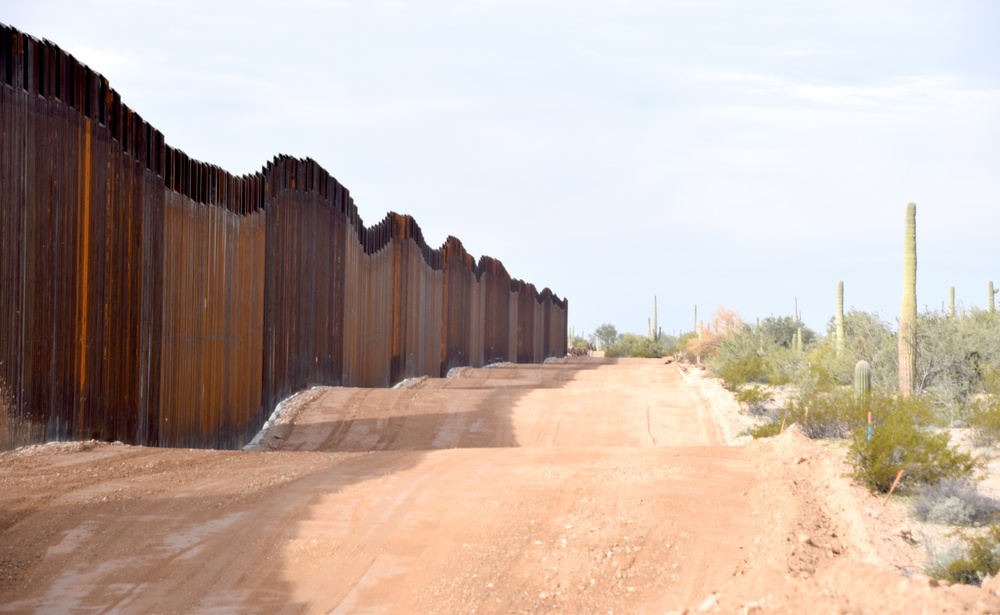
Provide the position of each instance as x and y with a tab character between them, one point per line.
840	318
992	294
908	309
951	302
656	327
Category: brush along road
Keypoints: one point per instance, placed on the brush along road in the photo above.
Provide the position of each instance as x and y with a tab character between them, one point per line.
578	486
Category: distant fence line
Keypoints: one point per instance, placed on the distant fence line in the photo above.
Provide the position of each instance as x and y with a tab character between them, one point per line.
154	299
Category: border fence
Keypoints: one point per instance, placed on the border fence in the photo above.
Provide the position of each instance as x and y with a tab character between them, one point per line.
154	299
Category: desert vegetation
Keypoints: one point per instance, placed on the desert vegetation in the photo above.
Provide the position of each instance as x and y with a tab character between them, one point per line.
955	389
895	399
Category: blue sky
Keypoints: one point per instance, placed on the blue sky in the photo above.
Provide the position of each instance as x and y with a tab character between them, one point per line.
715	153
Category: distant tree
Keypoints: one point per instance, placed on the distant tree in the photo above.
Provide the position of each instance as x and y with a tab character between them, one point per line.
723	320
606	335
632	345
782	329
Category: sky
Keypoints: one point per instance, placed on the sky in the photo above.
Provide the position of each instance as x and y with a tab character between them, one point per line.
708	153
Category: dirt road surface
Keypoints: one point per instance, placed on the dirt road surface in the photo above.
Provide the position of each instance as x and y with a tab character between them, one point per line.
577	486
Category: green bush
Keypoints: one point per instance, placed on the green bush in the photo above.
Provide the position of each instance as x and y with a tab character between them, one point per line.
632	345
755	397
978	558
758	353
985	416
901	440
774	420
766	430
953	363
822	371
739	371
832	414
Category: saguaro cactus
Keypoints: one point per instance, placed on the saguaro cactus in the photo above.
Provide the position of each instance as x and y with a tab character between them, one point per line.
908	309
840	318
992	294
862	383
656	327
951	302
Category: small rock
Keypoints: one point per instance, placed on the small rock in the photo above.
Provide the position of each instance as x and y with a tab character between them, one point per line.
710	603
801	459
751	607
907	534
805	539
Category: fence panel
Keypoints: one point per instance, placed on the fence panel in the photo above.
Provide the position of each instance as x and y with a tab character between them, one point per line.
155	299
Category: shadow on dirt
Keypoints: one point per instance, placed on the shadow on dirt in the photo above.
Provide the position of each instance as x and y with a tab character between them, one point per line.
472	409
137	529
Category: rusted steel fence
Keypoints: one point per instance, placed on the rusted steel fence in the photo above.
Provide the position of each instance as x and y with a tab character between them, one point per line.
154	299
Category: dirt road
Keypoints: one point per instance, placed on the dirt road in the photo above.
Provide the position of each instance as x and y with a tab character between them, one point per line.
583	486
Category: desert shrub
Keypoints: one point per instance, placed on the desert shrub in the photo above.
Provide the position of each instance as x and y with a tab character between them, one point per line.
705	342
632	345
782	364
739	371
952	365
684	345
755	397
821	370
985	416
669	345
774	420
977	559
823	415
829	414
953	502
868	337
759	353
902	440
766	430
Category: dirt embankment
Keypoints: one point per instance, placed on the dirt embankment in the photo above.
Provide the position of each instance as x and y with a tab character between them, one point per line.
590	485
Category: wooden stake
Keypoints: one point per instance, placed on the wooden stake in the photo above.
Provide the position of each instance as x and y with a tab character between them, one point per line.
899	476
